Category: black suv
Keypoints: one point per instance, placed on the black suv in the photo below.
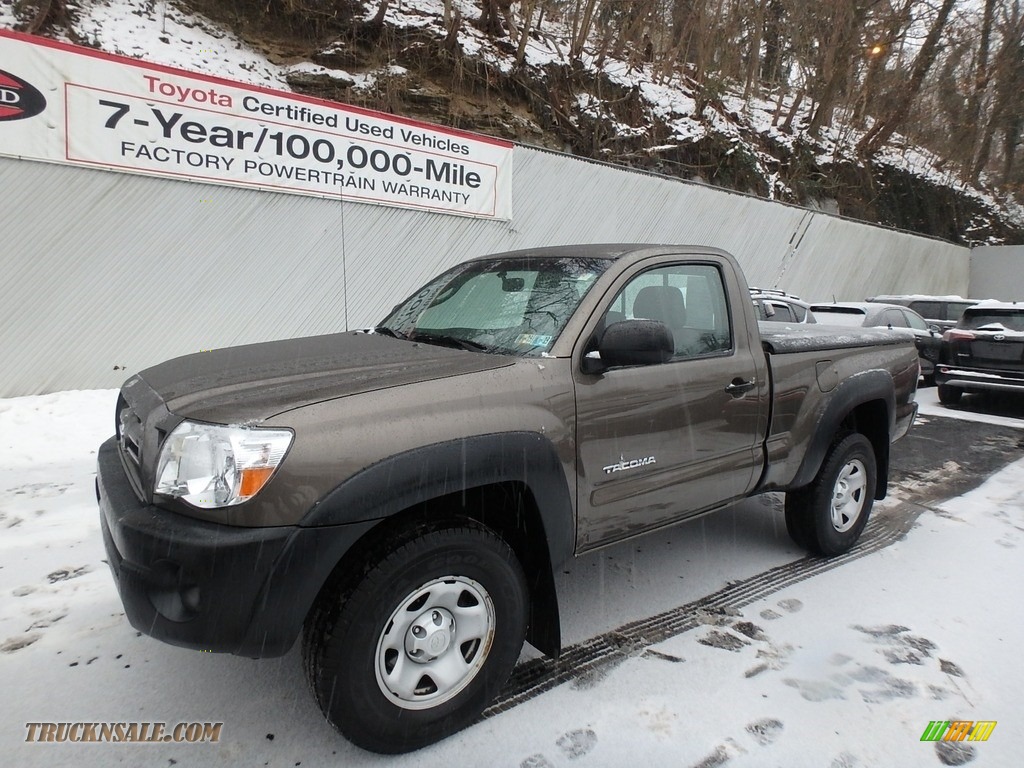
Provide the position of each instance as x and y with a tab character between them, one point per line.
984	352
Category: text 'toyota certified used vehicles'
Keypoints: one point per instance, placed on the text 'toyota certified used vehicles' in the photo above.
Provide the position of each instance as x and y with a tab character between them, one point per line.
400	497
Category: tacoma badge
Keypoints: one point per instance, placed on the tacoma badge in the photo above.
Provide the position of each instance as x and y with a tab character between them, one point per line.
622	464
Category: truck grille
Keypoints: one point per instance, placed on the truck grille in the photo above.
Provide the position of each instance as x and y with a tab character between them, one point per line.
129	431
141	422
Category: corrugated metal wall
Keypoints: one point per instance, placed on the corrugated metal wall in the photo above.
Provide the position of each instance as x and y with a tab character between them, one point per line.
102	274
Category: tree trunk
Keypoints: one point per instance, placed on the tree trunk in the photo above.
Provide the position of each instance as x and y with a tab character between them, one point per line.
844	44
981	81
581	32
754	57
1008	71
884	128
771	67
527	8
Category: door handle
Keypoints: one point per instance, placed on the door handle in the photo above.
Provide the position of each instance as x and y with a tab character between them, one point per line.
738	387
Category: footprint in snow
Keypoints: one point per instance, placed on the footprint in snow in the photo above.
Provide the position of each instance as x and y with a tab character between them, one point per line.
12	644
723	640
816	690
573	744
63	574
594	676
765	731
577	743
48	621
791	605
40	490
902	648
950	668
954	752
536	761
844	760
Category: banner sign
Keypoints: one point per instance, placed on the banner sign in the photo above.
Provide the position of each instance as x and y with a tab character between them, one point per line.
66	104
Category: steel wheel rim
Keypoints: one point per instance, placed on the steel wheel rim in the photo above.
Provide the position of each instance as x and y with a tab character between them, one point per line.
435	642
848	495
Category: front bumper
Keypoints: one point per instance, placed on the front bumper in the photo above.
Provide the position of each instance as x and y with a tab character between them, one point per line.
974	379
208	586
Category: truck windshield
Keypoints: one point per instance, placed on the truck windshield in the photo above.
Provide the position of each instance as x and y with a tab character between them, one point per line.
512	306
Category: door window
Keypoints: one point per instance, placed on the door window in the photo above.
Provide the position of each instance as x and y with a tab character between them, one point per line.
688	298
916	322
895	318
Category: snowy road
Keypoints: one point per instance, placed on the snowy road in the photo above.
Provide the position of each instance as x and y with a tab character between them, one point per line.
714	643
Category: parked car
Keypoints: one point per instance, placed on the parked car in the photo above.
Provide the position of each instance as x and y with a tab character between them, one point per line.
893	316
778	306
984	352
940	311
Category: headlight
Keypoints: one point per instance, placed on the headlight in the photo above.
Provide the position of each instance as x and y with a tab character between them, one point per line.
214	466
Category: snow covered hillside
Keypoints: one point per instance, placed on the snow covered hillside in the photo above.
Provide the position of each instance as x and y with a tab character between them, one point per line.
593	98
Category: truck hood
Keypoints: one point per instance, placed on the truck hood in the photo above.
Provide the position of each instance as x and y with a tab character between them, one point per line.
257	381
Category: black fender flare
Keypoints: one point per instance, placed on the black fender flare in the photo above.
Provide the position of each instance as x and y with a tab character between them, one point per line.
413	477
864	387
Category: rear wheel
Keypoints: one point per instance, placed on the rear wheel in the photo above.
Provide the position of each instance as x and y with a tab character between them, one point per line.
827	516
949	395
416	648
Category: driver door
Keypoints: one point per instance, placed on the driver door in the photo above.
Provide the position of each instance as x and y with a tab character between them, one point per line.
657	443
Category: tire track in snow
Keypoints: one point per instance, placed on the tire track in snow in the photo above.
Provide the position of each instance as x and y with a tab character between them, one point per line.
914	483
588	657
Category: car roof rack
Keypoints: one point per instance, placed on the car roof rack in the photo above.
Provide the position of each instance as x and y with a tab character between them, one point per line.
774	292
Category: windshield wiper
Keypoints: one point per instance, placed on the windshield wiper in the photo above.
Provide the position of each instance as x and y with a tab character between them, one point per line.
383	330
449	341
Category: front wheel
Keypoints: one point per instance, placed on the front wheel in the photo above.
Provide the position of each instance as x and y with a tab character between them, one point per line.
828	515
949	395
416	648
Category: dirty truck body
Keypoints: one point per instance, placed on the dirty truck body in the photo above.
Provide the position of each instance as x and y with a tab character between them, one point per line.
401	497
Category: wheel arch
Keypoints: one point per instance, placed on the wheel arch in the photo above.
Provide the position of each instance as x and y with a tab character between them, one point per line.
865	403
512	483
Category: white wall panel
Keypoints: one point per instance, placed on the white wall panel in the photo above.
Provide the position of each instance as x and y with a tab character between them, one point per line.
997	272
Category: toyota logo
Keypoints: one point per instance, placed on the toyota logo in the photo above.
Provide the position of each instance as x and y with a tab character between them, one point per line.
18	98
999	337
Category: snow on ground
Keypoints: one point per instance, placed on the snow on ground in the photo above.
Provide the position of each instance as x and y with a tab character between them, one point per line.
973	407
840	670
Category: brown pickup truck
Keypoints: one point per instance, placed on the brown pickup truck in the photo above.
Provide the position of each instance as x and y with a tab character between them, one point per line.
400	496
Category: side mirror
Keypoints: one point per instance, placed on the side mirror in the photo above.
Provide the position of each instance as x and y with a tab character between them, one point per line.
935	330
633	342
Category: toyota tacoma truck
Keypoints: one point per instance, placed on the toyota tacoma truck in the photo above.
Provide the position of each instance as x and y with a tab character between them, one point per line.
400	497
